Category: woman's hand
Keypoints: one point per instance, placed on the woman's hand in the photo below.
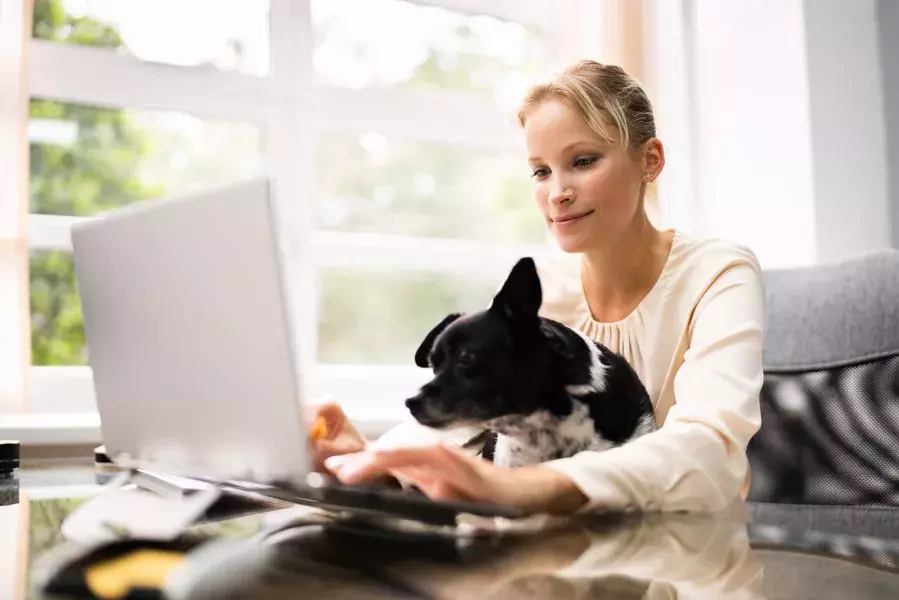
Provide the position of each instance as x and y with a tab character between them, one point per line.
446	473
341	436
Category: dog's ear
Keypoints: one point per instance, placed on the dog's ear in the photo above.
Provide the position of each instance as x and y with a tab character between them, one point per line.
421	355
521	294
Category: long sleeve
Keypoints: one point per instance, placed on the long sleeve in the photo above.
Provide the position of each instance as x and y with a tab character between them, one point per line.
697	459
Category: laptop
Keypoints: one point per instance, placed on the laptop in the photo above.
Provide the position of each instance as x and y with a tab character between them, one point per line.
194	350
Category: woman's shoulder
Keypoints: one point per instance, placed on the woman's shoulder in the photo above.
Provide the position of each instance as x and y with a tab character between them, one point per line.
708	257
700	265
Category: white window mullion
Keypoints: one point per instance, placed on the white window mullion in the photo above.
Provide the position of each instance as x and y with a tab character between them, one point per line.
447	118
52	232
15	347
290	152
400	253
101	77
335	249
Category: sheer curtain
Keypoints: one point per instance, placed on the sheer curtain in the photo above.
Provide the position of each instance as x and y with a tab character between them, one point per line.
14	338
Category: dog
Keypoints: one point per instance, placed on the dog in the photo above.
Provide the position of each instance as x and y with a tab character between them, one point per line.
544	390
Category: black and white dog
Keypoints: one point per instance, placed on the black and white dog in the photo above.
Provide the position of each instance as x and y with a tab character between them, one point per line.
545	390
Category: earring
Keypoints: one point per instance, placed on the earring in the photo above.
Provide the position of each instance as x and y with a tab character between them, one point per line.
648	176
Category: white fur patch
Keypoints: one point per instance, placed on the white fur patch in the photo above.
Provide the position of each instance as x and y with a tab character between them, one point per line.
646	424
598	371
539	437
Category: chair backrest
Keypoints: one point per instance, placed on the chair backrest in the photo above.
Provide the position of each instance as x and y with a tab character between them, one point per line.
830	400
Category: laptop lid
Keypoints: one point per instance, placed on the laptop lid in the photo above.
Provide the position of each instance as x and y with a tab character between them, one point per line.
189	334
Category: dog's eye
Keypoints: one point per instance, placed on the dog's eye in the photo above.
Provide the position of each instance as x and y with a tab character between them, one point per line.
464	358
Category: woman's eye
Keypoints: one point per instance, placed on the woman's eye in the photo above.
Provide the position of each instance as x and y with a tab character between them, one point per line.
540	172
585	162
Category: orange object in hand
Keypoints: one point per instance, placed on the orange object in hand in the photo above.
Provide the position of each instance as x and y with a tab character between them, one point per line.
319	429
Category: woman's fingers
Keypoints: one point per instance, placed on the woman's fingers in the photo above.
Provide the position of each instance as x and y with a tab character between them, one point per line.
335	419
436	470
340	436
342	445
364	466
433	487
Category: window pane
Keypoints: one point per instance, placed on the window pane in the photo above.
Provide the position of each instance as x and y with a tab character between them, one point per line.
86	159
401	45
232	36
368	183
381	317
57	333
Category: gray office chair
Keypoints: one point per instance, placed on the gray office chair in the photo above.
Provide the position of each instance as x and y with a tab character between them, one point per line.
830	399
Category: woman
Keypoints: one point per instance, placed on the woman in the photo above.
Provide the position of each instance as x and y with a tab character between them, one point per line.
686	313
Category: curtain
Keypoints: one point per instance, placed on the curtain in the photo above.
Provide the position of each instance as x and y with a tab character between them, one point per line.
15	351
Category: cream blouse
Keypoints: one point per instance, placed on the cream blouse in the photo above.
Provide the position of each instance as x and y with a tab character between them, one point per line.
695	341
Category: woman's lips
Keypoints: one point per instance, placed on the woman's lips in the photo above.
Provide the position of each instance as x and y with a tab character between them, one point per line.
570	220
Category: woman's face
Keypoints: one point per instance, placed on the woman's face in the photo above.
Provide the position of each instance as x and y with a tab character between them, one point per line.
587	189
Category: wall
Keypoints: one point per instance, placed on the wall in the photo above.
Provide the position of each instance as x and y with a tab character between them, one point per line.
847	127
786	125
753	176
888	22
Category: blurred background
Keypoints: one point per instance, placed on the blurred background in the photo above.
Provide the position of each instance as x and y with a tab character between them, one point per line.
389	127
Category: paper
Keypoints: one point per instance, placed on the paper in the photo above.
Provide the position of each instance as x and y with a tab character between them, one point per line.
118	512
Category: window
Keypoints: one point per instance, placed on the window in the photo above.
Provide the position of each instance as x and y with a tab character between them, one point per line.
369	183
396	310
430	49
387	125
85	160
57	332
231	36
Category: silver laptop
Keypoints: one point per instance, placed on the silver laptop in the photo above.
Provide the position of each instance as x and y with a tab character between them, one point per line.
189	336
189	332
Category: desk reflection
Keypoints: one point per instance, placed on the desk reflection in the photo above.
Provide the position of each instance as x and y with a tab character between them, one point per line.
653	558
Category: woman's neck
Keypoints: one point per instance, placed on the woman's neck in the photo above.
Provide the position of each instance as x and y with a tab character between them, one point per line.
619	274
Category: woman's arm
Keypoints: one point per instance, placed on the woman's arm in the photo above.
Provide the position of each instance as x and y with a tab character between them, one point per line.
697	459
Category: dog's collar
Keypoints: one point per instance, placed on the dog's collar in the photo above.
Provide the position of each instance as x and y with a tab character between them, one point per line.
486	440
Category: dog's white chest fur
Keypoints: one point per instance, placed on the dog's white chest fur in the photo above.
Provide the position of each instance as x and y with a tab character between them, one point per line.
539	437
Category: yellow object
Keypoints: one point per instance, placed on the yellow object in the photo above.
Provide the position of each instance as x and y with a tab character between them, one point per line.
147	568
319	429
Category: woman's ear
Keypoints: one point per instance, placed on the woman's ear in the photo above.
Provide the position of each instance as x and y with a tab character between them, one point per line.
653	159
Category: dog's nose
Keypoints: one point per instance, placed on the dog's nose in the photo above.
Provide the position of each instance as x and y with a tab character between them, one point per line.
414	403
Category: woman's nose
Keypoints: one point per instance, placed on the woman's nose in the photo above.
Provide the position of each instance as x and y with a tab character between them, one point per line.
560	194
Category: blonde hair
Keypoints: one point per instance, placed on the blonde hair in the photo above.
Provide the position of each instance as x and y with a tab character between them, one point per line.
611	102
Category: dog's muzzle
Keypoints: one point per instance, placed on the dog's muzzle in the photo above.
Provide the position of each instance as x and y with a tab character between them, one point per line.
426	410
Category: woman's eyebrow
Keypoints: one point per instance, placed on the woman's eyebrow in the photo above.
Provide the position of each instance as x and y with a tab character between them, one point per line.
567	148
